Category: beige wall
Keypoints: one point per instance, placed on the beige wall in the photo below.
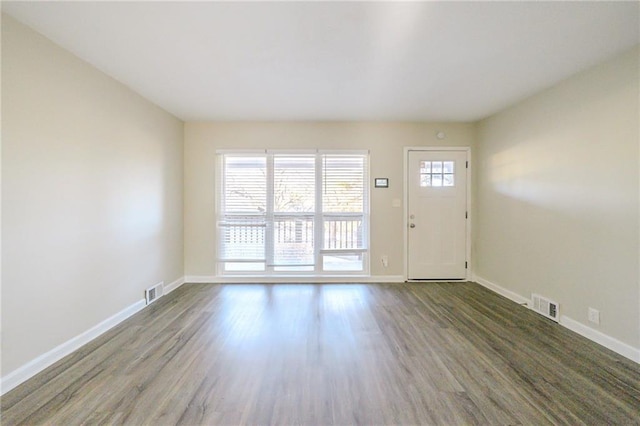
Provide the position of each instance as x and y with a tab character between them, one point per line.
91	196
558	197
385	141
92	193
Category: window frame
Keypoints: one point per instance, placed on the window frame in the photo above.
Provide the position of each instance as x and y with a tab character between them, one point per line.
319	217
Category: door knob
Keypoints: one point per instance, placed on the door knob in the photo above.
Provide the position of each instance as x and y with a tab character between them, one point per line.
412	225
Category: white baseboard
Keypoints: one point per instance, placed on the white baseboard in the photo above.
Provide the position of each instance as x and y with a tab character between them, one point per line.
605	340
501	290
38	364
198	279
174	285
596	336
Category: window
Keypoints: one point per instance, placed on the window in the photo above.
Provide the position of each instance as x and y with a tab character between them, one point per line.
437	173
293	213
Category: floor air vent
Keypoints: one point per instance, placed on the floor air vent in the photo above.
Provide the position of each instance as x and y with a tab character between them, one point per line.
153	293
545	307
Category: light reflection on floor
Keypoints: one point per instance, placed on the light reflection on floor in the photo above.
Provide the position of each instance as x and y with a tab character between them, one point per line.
253	313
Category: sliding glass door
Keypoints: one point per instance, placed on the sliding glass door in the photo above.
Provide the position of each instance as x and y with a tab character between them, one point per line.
293	213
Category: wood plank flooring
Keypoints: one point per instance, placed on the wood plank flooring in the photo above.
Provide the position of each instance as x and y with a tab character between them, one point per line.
424	353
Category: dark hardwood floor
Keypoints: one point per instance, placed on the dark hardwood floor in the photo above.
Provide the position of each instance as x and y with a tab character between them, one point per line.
427	353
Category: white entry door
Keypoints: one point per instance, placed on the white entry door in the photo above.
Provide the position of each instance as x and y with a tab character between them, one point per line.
437	215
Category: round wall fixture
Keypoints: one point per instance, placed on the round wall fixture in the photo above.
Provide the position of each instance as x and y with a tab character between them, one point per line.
441	135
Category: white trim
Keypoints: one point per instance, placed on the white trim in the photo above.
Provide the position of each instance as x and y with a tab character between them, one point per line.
294	151
596	336
269	242
366	215
218	203
436	148
515	297
599	337
198	279
174	285
344	151
240	151
405	189
45	360
318	230
469	212
405	213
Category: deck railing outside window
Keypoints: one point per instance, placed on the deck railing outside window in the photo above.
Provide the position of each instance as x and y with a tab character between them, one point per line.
293	213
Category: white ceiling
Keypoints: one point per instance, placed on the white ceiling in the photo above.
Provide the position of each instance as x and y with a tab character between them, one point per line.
436	61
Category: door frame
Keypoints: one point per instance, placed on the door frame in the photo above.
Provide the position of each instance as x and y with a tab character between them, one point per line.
405	246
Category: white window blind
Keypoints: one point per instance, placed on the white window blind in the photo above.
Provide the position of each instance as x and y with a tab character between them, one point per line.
242	228
343	183
245	185
293	213
343	205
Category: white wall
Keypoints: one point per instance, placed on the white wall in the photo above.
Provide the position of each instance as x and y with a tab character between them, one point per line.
558	197
385	141
91	196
